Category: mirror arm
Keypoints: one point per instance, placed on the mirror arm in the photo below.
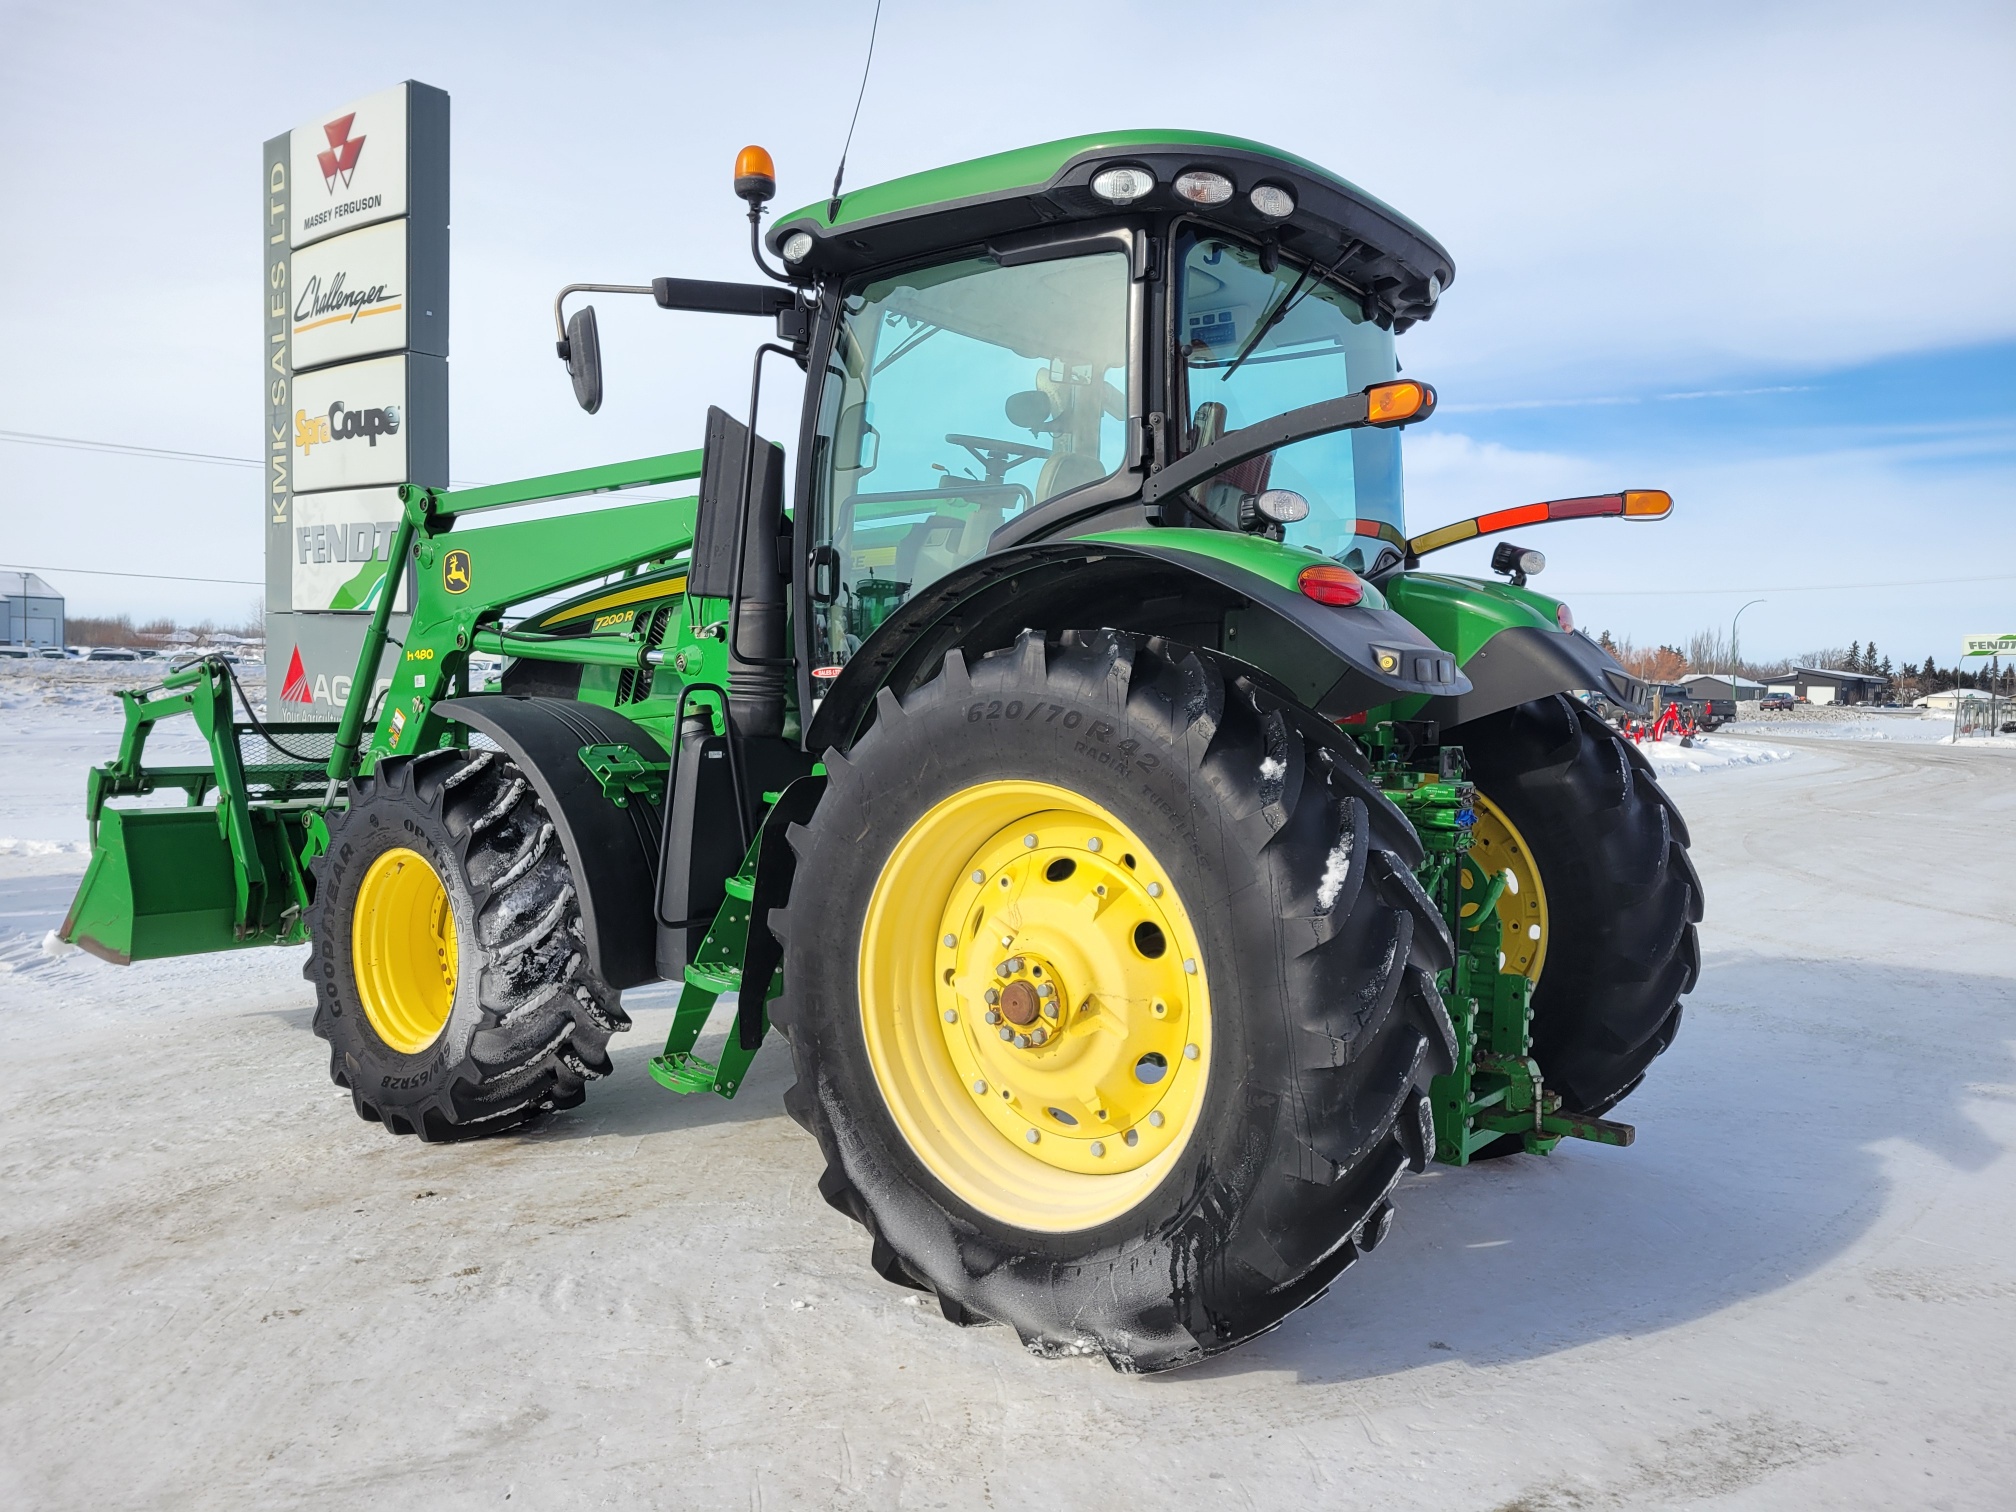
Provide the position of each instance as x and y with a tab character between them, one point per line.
1346	413
560	318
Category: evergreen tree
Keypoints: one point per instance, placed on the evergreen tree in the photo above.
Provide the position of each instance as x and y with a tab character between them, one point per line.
1603	640
1886	669
1854	656
1869	663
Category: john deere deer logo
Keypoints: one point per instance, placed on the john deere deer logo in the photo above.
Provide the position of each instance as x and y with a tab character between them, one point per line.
455	572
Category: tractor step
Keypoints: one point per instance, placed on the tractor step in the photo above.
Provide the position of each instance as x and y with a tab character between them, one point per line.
683	1071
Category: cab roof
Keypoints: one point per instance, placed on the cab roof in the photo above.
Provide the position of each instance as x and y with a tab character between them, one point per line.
1375	248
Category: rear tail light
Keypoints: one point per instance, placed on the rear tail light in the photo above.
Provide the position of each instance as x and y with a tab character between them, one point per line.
1331	585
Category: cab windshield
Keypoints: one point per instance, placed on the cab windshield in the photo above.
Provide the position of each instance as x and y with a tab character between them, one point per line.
1254	344
957	398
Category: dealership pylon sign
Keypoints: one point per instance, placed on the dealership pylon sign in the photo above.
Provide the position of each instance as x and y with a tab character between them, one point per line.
355	371
1988	645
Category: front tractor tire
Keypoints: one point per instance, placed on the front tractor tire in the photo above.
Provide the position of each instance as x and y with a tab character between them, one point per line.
446	952
1605	923
1111	996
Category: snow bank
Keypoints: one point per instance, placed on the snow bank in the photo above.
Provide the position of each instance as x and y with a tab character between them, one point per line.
1708	754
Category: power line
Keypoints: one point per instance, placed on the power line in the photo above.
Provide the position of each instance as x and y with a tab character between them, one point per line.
159	577
121	449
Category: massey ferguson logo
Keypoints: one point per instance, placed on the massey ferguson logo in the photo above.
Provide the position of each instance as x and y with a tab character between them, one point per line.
342	424
339	160
295	688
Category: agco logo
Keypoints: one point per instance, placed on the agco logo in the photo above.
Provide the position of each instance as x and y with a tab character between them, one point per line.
342	424
339	159
455	572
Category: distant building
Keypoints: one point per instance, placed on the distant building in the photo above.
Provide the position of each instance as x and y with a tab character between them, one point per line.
33	613
1825	685
1705	685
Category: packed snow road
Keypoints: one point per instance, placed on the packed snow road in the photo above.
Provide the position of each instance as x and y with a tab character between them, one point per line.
218	1288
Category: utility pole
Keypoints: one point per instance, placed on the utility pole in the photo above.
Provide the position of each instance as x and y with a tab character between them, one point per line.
1733	694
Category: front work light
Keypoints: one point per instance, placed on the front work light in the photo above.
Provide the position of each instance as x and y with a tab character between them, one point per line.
797	245
1122	186
1272	201
1331	585
1202	187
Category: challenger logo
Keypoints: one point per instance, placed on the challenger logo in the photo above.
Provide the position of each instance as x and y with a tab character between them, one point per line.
339	160
455	572
342	424
295	688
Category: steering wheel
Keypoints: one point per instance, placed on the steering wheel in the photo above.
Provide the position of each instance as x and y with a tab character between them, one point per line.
997	457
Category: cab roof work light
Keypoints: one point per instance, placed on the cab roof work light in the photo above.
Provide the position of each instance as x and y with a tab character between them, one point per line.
1631	504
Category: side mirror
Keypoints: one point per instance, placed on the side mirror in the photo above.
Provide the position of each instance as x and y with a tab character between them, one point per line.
857	445
1029	410
584	358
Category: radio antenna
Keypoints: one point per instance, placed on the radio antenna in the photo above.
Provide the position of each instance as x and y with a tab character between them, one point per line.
833	205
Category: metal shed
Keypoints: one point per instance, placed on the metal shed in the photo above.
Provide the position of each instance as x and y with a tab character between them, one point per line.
33	613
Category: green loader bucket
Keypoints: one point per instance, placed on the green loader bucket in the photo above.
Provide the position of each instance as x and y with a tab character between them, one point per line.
161	883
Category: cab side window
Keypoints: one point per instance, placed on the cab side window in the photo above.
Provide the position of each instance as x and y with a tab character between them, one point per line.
956	398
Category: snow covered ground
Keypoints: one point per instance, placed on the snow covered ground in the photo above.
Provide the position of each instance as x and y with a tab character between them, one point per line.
218	1288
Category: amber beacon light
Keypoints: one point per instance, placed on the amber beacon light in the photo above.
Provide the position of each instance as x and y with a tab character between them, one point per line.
755	176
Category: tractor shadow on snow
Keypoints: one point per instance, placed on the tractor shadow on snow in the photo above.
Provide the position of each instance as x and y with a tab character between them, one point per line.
1768	1143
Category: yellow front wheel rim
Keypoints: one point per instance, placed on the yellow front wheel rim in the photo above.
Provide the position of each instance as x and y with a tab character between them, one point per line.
402	942
1034	1002
1498	849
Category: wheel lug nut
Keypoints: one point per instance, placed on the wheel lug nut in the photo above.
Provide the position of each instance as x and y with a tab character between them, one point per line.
1189	1052
1133	1138
1007	1033
993	996
1098	1148
1094	844
1154	889
1048	989
993	1017
1021	1042
979	877
979	1089
951	1015
1032	1136
1155	1119
1190	965
1029	842
951	942
1039	1035
1050	1010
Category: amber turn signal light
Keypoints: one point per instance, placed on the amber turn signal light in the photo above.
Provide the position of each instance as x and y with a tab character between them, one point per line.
1331	585
755	176
1397	403
1647	504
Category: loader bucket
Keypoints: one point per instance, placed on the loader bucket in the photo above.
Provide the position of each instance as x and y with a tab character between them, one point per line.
161	883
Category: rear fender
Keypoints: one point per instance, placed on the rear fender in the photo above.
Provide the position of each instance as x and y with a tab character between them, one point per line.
1327	657
1510	645
612	851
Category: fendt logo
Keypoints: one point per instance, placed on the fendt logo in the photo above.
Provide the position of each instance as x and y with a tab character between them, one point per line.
342	424
339	159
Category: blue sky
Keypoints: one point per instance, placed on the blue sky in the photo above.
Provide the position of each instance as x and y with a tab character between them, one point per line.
1803	212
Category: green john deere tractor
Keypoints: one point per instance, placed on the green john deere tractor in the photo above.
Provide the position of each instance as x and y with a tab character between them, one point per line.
1146	863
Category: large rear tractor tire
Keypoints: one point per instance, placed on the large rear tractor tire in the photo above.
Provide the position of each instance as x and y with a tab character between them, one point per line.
1603	919
1111	995
446	952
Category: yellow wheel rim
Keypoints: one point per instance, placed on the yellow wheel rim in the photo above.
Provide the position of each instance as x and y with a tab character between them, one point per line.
402	948
1497	848
1026	908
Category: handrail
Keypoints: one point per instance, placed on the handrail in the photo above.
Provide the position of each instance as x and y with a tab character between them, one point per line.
672	467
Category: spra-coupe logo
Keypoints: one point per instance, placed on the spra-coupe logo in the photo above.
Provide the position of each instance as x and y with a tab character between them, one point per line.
342	424
339	159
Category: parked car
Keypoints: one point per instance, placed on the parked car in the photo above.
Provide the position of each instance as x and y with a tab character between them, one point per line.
15	653
111	653
1772	703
